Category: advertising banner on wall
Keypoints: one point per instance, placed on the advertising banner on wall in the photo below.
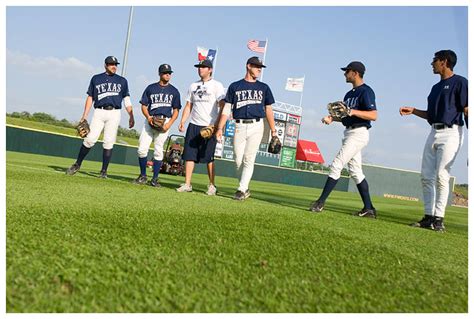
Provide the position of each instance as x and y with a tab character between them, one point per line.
294	119
288	157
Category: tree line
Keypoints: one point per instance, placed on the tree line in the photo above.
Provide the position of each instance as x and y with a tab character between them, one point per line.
50	119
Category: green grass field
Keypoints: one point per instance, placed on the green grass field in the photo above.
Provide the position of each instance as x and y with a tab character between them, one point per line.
82	244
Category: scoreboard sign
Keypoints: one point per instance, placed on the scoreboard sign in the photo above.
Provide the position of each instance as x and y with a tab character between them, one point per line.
294	119
292	129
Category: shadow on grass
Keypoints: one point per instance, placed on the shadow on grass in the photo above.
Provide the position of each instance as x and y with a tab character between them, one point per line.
92	174
387	215
59	168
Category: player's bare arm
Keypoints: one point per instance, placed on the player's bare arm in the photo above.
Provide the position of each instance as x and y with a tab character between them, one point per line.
131	119
270	118
167	126
222	119
365	115
146	114
187	110
408	110
87	108
221	108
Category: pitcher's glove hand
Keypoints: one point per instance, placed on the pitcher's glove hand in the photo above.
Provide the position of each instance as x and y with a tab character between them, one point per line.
338	110
157	123
274	146
207	132
83	128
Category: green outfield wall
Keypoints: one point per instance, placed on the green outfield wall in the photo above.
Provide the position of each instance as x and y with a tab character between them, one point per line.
383	181
395	183
52	144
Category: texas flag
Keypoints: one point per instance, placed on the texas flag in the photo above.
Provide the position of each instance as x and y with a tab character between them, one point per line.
204	53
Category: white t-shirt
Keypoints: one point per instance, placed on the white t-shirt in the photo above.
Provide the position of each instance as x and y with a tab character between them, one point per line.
204	97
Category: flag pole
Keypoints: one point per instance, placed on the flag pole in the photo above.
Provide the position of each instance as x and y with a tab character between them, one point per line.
301	97
125	54
214	63
264	55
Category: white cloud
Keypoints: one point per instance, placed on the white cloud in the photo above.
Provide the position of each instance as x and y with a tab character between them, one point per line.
70	67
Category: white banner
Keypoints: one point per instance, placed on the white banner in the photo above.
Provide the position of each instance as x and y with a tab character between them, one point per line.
295	84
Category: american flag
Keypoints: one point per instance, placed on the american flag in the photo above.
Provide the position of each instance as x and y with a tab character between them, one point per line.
257	46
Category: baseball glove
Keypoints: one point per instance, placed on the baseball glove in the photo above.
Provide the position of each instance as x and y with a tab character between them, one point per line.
274	146
338	110
83	128
157	123
207	132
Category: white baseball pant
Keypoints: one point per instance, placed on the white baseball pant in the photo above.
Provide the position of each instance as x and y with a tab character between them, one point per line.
354	141
439	154
109	121
247	139
148	135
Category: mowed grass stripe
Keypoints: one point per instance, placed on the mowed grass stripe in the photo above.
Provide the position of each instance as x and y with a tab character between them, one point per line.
89	245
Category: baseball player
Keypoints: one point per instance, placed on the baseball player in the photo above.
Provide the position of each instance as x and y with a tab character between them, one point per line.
447	102
160	99
106	92
204	100
361	101
250	101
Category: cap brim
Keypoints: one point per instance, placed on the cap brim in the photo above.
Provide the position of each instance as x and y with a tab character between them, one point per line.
259	65
344	69
201	65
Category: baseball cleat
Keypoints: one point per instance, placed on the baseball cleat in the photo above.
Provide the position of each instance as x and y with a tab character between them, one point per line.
239	195
154	182
211	190
366	212
73	169
140	180
103	174
438	225
184	188
316	207
425	222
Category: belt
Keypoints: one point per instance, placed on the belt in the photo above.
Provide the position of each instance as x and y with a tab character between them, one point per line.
160	116
440	126
247	121
107	107
356	126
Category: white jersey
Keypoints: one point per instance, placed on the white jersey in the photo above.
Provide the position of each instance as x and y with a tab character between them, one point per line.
204	97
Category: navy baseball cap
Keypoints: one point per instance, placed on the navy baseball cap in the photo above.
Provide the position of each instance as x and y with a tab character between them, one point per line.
165	68
111	60
204	63
355	66
256	61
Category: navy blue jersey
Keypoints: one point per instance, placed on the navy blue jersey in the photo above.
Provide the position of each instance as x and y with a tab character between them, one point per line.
447	100
106	90
248	99
161	100
360	98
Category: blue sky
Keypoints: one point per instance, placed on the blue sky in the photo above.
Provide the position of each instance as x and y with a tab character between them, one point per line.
53	51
